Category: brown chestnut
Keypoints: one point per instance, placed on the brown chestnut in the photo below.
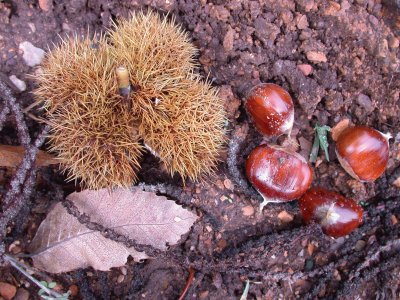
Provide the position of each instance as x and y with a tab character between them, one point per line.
278	174
271	109
337	215
363	152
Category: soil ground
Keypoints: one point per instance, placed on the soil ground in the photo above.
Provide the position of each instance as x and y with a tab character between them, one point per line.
355	75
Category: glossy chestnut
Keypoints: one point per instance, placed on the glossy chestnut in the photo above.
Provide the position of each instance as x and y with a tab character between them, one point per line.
277	174
271	109
363	152
337	215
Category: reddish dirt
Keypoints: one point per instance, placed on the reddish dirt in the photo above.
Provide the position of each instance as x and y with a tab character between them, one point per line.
337	60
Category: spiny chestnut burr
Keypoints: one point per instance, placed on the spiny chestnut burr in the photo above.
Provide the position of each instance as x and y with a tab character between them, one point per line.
363	152
277	174
337	215
104	97
271	109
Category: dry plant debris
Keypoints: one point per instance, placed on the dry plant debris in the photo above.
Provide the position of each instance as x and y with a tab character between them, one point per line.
12	156
97	132
63	244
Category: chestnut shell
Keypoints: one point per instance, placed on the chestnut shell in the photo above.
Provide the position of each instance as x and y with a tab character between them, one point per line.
278	175
271	109
363	152
337	215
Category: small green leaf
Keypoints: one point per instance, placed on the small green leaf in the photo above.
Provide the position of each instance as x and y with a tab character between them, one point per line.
246	290
44	283
320	141
52	284
41	292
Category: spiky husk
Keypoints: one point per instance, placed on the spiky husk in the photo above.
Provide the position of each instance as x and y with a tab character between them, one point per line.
95	131
185	128
181	118
156	51
91	132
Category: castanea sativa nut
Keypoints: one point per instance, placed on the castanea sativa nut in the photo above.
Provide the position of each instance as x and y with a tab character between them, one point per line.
363	152
337	215
271	109
278	174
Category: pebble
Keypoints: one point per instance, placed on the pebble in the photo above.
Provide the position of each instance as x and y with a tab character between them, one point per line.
120	278
394	43
396	183
360	245
22	294
228	184
310	249
32	55
124	271
228	39
285	217
394	220
248	210
302	23
19	84
383	49
306	69
316	56
46	5
7	291
365	102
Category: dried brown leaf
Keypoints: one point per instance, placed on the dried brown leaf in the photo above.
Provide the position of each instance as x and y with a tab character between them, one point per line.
11	156
62	244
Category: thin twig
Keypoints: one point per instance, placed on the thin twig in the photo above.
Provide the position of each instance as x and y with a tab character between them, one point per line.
188	284
21	267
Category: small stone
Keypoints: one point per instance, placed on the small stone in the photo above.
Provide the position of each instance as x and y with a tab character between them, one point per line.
302	22
310	248
32	27
19	84
360	244
223	198
120	278
394	43
285	217
7	291
338	128
306	69
22	294
46	5
365	102
32	55
248	210
74	290
396	183
124	271
203	294
228	39
383	49
394	219
209	229
316	56
228	184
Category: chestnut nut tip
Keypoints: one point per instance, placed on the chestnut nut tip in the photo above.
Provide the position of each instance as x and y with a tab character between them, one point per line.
271	109
363	152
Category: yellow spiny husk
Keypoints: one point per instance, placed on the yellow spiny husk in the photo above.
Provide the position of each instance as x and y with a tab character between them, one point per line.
90	131
96	131
185	127
154	50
